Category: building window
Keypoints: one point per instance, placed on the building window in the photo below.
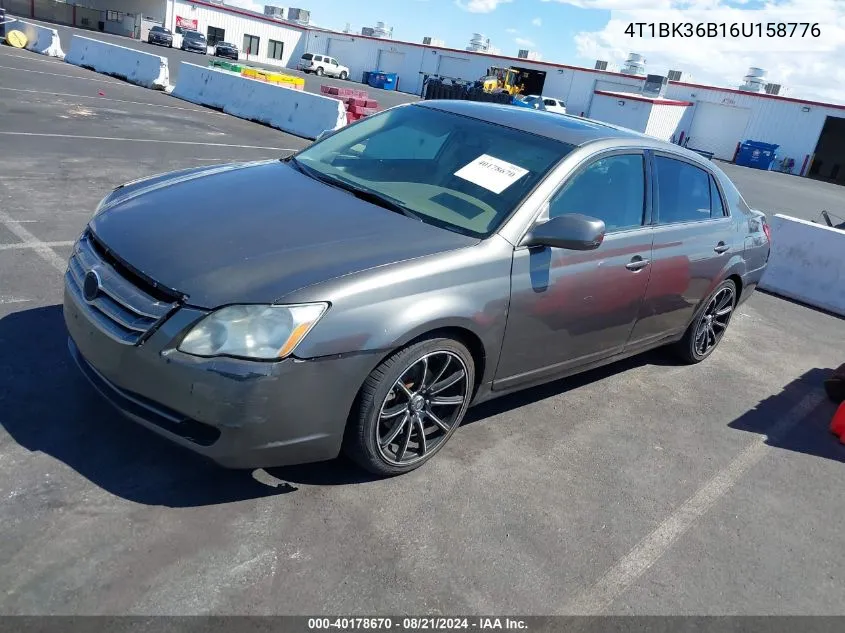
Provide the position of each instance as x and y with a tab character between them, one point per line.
114	16
277	50
251	43
215	35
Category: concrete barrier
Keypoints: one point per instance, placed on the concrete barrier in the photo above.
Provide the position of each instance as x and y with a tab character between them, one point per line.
301	113
39	39
137	67
807	263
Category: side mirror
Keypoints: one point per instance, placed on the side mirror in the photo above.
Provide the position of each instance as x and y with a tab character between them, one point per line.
573	231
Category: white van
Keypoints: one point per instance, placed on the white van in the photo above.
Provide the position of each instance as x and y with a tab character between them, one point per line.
322	65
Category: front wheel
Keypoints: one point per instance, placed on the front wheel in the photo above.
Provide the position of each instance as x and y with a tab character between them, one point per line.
410	406
708	328
344	75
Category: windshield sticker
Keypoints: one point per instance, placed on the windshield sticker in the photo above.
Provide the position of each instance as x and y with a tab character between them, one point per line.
492	173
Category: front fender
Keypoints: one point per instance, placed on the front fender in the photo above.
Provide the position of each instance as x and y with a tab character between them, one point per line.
381	310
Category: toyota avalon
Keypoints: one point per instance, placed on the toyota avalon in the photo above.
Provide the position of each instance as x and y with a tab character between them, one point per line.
361	294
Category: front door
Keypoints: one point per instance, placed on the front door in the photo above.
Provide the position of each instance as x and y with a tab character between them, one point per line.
570	308
694	239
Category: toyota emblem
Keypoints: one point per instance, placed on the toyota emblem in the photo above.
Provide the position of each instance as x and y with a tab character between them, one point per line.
91	285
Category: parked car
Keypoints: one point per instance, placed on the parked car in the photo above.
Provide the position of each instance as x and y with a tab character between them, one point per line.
194	41
538	102
322	65
161	36
225	49
425	259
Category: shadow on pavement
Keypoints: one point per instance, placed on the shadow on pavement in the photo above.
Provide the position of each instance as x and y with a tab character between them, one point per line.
47	406
811	433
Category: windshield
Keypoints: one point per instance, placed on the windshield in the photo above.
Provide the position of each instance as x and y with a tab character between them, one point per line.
193	35
459	173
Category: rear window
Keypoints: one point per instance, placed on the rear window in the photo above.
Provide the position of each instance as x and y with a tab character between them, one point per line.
308	57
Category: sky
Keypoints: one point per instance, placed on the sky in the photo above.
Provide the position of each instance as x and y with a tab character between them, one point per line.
578	32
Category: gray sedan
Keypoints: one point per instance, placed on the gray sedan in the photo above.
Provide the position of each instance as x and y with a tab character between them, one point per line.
363	293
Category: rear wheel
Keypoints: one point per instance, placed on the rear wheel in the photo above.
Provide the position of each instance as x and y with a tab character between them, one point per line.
410	406
319	72
708	328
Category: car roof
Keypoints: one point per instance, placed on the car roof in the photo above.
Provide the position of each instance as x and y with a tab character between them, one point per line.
566	128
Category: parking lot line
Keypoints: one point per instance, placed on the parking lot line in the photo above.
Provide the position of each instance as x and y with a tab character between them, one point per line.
42	248
22	245
98	98
647	552
35	58
41	72
145	140
9	299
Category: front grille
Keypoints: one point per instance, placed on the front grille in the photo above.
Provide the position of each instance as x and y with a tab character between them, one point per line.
123	309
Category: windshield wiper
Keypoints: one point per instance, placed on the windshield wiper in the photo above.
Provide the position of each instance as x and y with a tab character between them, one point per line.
361	193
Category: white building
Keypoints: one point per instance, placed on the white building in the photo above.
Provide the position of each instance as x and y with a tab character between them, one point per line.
714	119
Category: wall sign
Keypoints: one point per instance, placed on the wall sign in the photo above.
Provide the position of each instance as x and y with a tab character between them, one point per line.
185	23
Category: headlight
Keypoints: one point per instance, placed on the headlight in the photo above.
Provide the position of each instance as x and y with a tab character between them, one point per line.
263	332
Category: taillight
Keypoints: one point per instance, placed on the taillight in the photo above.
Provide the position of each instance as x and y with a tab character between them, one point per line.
767	231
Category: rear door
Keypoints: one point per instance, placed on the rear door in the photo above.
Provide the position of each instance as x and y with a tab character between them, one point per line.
694	239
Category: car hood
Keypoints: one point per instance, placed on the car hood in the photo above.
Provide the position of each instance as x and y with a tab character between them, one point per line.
254	232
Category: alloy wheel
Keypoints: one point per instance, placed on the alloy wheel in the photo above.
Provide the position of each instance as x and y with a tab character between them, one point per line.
422	408
714	321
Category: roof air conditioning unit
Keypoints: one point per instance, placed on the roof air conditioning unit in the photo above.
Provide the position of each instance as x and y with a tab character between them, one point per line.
773	89
601	65
655	86
675	75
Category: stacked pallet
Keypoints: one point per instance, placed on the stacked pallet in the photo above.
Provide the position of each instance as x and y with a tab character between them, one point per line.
357	102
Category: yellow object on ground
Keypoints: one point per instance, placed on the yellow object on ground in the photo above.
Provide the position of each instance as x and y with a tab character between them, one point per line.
288	81
16	39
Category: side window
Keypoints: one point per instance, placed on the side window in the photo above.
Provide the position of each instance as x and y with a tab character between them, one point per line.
717	206
318	58
333	61
403	143
550	102
610	189
683	191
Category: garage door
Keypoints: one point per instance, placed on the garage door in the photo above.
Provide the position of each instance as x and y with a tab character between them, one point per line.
343	50
631	114
391	62
456	67
717	128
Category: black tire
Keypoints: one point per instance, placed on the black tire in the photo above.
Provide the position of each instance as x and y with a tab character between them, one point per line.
344	75
319	71
363	435
689	349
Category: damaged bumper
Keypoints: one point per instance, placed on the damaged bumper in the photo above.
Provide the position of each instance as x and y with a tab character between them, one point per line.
241	414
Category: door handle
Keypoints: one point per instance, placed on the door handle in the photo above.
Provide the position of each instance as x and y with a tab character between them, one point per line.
637	263
721	247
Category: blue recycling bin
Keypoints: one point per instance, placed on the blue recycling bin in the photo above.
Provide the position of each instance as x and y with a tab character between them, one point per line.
756	155
385	81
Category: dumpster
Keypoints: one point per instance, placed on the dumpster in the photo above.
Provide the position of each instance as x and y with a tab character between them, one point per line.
378	79
756	154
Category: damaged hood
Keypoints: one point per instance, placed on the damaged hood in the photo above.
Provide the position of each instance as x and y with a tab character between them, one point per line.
254	232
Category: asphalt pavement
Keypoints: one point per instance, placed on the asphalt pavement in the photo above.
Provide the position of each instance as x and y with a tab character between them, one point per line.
385	98
643	488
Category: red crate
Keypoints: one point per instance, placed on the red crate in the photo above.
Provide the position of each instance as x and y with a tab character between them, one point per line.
361	110
357	101
371	104
351	117
361	94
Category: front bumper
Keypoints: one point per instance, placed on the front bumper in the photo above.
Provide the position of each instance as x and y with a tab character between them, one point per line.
241	414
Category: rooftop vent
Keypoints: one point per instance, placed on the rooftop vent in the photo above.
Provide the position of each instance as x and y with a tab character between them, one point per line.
601	64
773	89
634	65
754	80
